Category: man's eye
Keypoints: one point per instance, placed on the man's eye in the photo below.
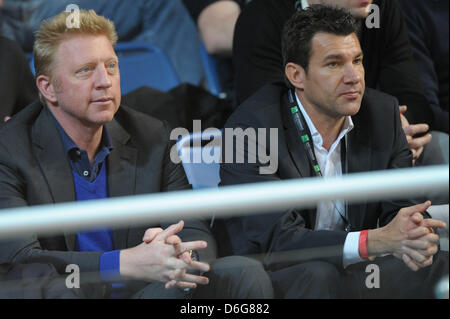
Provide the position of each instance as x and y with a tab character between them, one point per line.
112	65
358	61
332	64
85	69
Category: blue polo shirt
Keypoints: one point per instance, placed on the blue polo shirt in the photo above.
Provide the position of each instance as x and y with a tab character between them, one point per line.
90	182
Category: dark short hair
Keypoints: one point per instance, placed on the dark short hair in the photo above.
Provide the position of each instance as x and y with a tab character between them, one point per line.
300	29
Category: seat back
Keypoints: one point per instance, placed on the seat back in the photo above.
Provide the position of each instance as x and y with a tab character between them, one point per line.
201	162
142	64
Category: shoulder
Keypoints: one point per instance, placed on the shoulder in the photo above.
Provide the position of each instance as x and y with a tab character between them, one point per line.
379	113
19	127
142	128
379	102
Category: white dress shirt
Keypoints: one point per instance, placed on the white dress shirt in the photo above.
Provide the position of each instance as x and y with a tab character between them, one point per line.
330	214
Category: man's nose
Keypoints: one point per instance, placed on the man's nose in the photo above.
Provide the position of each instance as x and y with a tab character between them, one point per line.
103	78
352	74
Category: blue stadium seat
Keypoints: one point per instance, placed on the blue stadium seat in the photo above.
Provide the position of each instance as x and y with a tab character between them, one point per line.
201	163
141	64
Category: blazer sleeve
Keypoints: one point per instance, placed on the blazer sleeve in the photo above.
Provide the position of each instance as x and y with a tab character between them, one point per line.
281	237
400	157
27	248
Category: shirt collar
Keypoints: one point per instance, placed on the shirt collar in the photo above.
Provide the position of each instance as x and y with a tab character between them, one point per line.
315	135
305	4
70	145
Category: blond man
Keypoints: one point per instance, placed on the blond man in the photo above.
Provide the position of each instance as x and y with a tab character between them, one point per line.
78	143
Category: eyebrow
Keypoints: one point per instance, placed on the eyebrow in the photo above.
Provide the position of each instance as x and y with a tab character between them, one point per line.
339	56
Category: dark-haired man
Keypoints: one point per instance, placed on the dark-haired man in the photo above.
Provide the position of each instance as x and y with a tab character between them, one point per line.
328	111
388	61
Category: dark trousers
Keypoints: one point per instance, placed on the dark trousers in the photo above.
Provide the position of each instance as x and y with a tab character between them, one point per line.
318	279
231	277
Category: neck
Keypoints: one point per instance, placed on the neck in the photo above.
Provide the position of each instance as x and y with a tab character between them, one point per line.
327	125
86	137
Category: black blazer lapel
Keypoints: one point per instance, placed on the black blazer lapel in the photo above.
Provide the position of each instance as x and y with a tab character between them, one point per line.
122	166
359	154
54	164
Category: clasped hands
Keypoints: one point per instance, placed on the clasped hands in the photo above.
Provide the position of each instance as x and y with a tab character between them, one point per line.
408	237
163	257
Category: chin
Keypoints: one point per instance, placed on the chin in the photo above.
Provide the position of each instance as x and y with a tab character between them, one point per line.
361	13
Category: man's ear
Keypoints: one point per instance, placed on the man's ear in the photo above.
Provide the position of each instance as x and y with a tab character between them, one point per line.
295	74
47	88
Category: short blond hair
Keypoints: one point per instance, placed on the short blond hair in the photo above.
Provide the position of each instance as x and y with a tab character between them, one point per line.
54	30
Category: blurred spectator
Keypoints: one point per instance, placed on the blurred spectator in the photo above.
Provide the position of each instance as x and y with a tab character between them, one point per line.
163	23
427	22
17	88
388	60
216	20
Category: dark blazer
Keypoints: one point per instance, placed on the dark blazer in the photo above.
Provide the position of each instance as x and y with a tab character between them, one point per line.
377	142
34	170
17	87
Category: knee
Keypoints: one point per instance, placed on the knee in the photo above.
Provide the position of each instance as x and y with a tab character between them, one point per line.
322	273
246	273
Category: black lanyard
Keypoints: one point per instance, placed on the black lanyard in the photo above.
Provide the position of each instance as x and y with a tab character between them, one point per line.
305	136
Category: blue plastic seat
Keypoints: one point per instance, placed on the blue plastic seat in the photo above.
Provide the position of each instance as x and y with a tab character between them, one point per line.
142	64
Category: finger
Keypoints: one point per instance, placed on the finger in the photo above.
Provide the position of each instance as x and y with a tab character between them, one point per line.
7	118
417	232
408	261
171	284
418	153
404	121
430	251
169	231
173	240
428	262
150	234
409	211
414	255
200	280
417	218
184	285
403	109
192	245
419	142
434	223
200	266
425	243
186	257
415	129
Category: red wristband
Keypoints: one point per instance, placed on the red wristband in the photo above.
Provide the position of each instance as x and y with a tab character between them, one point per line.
363	244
